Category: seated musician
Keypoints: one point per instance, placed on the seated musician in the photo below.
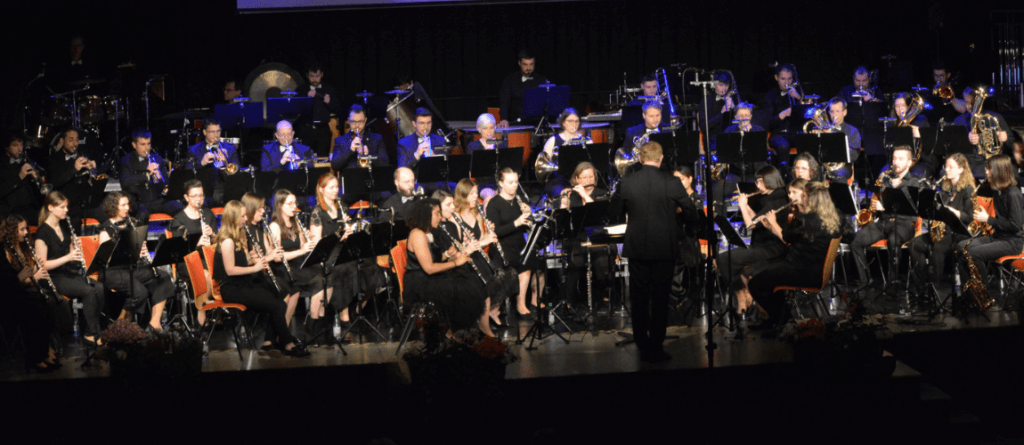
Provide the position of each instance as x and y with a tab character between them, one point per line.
942	76
763	244
779	102
805	167
808	235
357	143
194	218
1001	138
923	167
928	251
585	191
296	243
213	155
513	86
65	263
837	111
718	107
569	121
650	87
427	278
652	124
485	125
687	235
1007	236
727	184
144	178
19	192
285	153
510	216
472	227
401	201
584	187
861	90
146	283
68	166
239	270
25	305
345	280
897	229
415	146
468	304
231	90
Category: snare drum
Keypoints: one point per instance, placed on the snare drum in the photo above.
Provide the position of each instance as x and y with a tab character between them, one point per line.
90	109
519	136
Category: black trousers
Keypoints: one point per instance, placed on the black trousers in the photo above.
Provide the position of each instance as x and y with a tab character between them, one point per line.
35	315
925	255
145	287
766	276
256	297
893	230
91	294
985	249
650	283
731	262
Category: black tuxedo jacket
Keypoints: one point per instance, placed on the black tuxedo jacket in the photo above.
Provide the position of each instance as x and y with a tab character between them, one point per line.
650	198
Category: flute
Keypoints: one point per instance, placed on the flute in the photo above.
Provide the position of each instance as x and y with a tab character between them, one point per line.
762	217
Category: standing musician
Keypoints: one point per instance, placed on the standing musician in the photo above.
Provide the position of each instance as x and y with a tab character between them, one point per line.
814	227
956	191
485	125
405	186
513	86
239	272
861	89
213	154
763	244
650	198
421	143
285	153
472	228
1002	137
194	218
897	229
344	282
779	102
510	216
19	182
357	143
317	132
718	106
144	178
66	263
468	302
837	111
427	262
24	304
296	243
150	284
652	124
1007	237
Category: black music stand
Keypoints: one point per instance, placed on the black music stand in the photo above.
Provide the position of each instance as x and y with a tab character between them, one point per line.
365	183
864	114
442	168
323	254
265	183
486	163
949	139
540	322
797	116
678	148
176	184
356	247
173	251
288	108
730	232
238	184
825	147
843	198
742	148
111	254
897	136
297	181
239	115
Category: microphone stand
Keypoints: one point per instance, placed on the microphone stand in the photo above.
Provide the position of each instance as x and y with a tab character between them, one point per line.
709	288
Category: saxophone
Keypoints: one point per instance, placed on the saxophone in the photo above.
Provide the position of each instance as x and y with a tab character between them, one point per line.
868	215
977	228
937	229
974	286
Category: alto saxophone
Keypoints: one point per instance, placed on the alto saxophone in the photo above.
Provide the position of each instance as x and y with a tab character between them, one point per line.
977	228
868	215
974	286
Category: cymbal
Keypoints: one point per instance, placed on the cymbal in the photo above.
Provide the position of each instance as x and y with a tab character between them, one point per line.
396	92
269	80
364	94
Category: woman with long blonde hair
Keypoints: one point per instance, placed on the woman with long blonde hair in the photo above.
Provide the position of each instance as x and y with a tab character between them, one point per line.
956	191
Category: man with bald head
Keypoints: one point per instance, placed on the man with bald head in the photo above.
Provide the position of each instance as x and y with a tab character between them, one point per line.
401	201
284	153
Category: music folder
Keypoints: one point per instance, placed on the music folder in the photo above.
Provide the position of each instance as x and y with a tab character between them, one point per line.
742	147
679	147
323	252
545	101
825	147
730	233
843	198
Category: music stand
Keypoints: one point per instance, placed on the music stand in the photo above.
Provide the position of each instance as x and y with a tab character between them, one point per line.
570	156
730	233
949	139
843	198
679	149
288	108
742	147
238	184
897	136
239	115
356	247
323	254
364	183
866	114
297	181
438	168
545	103
795	123
173	251
485	164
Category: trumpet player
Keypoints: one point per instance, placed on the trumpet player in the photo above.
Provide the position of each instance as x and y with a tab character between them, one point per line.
19	182
897	229
779	102
359	142
144	178
861	89
66	164
650	87
213	154
718	106
284	153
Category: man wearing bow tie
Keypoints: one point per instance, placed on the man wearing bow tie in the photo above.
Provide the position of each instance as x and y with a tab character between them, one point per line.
18	194
144	178
415	146
720	107
66	163
652	124
316	131
214	155
649	85
285	153
511	94
400	202
358	142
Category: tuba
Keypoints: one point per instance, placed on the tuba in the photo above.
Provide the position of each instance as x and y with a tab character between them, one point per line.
984	125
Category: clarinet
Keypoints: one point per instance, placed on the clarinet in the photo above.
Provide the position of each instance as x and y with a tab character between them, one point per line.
146	261
78	245
202	226
259	252
490	227
39	265
302	230
287	267
469	235
463	251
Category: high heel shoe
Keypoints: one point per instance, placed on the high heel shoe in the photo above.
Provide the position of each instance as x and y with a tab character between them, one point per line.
296	351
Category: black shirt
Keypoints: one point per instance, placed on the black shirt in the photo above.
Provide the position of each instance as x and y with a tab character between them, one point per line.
56	248
503	213
193	226
1009	205
343	157
322	111
400	205
908	181
808	241
511	94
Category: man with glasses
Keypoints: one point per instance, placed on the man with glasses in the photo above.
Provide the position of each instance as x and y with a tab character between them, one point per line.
284	153
359	142
211	153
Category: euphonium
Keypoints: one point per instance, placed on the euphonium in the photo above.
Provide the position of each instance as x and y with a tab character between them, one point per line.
984	125
914	108
545	165
868	215
820	121
975	286
624	161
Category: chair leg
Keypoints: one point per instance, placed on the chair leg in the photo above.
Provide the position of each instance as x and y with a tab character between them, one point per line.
249	329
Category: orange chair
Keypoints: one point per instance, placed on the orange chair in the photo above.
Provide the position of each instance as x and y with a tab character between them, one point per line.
826	278
90	244
884	245
202	283
398	260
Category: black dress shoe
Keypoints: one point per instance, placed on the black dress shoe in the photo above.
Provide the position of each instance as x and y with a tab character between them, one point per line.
496	325
526	316
296	351
266	348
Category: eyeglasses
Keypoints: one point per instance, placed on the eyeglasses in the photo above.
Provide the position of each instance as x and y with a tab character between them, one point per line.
199	196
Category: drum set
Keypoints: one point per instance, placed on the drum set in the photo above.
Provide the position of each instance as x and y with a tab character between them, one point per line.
77	108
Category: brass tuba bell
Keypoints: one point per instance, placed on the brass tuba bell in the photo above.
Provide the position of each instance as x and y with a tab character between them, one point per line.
545	166
915	107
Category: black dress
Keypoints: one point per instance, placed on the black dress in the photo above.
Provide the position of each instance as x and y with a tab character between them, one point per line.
146	285
26	307
193	226
253	291
418	286
308	281
503	213
469	293
68	279
353	277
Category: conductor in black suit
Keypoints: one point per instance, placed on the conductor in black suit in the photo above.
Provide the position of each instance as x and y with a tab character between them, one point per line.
652	198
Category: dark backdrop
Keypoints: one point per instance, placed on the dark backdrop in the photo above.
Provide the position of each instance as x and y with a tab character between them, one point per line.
460	53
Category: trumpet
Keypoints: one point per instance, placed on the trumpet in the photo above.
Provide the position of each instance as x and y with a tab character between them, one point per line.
259	252
157	177
944	90
276	245
43	187
39	265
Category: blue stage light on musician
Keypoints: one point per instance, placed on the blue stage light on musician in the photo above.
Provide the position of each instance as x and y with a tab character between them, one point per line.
928	106
809	113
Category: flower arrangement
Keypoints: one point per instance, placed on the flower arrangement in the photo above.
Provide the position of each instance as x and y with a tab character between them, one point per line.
461	358
134	354
853	336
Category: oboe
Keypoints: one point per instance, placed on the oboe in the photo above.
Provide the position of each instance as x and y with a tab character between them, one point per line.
287	267
78	245
259	252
